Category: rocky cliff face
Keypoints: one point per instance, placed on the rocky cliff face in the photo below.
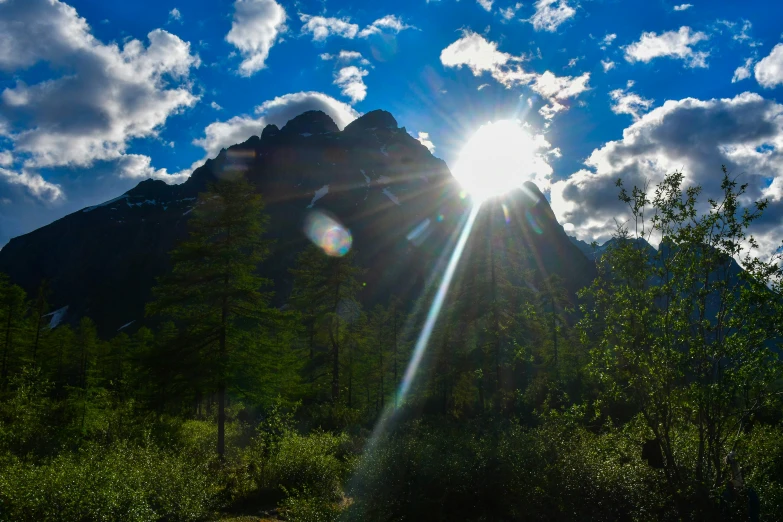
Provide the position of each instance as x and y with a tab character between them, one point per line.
400	203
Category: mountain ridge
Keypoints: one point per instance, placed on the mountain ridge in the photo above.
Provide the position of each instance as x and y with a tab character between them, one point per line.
380	182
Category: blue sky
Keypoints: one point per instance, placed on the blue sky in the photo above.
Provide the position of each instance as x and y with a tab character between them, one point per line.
96	95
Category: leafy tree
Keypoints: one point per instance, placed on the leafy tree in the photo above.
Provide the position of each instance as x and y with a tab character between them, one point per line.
683	334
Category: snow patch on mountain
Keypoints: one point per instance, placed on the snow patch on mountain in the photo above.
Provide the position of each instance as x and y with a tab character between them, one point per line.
321	192
89	209
391	196
56	316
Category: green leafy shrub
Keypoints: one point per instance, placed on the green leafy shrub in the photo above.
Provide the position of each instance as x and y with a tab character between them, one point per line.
307	462
307	507
502	471
122	482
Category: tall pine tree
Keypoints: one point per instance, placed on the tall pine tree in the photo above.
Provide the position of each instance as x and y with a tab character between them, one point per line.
213	293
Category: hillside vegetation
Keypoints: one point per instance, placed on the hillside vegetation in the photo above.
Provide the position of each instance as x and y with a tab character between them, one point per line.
655	394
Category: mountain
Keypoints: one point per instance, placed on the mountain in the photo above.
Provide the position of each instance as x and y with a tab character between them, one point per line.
400	203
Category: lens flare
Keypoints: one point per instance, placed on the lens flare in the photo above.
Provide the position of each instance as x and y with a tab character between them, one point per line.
328	234
533	223
506	214
437	304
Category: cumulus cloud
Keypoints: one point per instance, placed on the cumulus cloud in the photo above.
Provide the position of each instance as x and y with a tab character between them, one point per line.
626	102
743	71
139	166
351	82
769	70
550	14
322	27
485	4
682	7
424	139
482	56
33	183
608	65
745	133
388	23
106	96
560	87
254	30
215	105
278	111
674	44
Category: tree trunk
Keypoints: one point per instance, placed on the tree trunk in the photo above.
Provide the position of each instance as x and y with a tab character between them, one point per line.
7	347
394	329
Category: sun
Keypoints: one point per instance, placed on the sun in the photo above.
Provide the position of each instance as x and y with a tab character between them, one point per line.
499	157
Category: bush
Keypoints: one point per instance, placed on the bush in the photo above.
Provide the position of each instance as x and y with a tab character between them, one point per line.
306	507
305	463
502	471
121	482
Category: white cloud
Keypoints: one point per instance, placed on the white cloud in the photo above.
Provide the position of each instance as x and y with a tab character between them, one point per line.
139	166
509	12
769	70
351	82
673	44
626	102
6	158
254	30
607	40
222	134
388	23
743	35
482	86
560	87
322	28
33	183
175	15
556	89
745	133
106	96
215	105
485	4
682	7
572	62
481	55
347	57
424	139
550	14
607	65
743	71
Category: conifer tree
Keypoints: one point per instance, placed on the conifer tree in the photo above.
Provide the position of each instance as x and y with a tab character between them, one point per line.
213	293
12	326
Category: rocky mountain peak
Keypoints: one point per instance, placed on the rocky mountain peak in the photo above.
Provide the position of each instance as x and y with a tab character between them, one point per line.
378	119
269	131
310	122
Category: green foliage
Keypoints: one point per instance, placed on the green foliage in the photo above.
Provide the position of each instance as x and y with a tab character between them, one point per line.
500	471
121	482
514	413
685	336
